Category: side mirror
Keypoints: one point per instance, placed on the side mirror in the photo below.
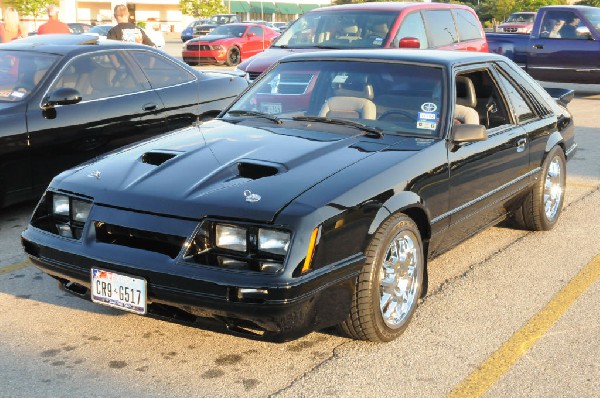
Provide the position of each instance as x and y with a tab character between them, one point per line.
409	42
251	34
463	133
62	96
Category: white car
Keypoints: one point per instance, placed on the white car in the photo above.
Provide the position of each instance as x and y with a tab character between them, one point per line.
156	36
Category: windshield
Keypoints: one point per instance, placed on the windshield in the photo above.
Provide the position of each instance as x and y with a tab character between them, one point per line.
21	73
339	29
228	30
394	98
521	18
593	15
222	19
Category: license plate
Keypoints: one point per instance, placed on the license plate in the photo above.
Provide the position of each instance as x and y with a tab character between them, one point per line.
119	291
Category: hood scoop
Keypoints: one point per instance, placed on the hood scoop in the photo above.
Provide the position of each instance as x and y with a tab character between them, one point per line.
156	158
257	169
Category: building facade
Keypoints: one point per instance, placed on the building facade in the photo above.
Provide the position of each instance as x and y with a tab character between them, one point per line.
165	14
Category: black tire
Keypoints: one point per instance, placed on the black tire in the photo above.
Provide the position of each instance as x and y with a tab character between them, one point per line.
233	56
372	316
542	206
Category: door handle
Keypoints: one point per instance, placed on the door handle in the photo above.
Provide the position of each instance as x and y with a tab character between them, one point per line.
521	144
149	107
538	46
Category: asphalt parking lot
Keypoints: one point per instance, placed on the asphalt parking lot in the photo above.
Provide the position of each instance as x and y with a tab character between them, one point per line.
509	314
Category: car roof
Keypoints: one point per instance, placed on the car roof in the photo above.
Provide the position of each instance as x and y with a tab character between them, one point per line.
65	44
388	6
439	57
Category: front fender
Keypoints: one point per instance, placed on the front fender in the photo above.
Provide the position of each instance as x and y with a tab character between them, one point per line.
406	202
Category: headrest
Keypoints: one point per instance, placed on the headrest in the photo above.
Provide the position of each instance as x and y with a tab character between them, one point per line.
380	29
351	30
465	92
354	86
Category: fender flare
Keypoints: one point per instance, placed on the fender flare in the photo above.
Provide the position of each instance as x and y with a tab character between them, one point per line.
554	139
408	203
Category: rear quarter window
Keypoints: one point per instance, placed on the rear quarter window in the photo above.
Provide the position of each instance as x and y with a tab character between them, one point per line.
440	24
468	25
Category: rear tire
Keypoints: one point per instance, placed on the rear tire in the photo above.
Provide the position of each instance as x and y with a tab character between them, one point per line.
542	206
389	285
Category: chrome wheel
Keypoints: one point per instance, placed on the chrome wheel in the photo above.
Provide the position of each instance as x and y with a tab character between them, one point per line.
399	279
553	189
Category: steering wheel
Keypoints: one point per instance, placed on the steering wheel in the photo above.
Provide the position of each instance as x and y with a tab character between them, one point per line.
403	113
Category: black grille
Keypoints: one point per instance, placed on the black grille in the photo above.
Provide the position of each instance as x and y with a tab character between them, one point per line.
169	245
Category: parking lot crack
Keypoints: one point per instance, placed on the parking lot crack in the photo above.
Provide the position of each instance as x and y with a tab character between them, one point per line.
335	353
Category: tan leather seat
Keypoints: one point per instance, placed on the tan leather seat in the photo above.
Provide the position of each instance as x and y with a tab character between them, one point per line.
352	100
466	101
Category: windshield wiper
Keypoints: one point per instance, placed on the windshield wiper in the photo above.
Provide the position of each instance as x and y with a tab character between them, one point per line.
255	114
371	131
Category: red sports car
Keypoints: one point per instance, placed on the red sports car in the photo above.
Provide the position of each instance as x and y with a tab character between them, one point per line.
228	44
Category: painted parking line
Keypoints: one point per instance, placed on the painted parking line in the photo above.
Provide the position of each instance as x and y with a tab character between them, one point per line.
579	185
496	365
14	267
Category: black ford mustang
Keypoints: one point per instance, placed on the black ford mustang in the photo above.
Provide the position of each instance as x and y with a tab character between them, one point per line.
316	198
67	98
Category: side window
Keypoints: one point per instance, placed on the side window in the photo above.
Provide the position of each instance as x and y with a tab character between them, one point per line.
468	25
441	27
522	110
412	26
478	90
561	25
160	71
258	32
100	75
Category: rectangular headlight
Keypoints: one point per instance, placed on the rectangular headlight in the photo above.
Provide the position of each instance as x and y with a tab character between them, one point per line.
80	210
60	205
231	237
273	241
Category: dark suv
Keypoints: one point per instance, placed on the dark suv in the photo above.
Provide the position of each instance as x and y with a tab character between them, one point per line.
213	22
376	25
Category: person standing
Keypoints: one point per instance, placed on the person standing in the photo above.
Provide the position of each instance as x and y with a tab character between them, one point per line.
125	30
53	25
11	28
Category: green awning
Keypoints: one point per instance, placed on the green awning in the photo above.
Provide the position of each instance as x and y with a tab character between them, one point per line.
264	7
308	7
289	8
238	6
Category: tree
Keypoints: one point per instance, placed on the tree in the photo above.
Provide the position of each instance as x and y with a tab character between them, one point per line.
593	3
35	8
206	8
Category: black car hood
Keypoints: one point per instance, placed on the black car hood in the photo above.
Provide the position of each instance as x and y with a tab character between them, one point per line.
218	169
210	38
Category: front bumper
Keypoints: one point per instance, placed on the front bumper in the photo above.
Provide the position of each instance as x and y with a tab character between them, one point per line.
192	294
204	57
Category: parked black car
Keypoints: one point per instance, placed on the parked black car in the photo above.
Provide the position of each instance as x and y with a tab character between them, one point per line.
316	198
67	98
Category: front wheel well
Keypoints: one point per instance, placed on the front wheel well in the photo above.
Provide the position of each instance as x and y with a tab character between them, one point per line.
420	218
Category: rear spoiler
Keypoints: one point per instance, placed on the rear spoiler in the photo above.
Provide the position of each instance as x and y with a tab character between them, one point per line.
561	95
